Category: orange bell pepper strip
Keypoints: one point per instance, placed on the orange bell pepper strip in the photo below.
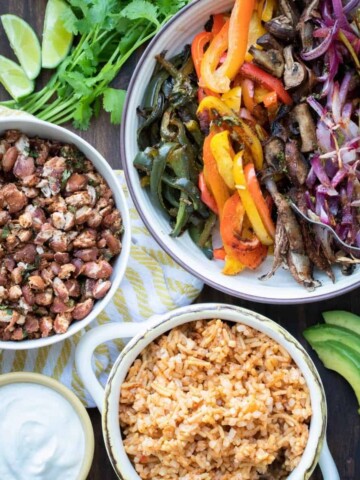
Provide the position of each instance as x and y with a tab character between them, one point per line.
206	195
247	134
198	49
212	177
260	202
270	100
248	201
218	79
219	253
241	250
249	70
218	22
212	56
223	153
248	92
197	53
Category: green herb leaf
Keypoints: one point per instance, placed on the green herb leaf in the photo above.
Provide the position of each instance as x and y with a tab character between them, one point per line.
141	9
65	177
113	103
5	232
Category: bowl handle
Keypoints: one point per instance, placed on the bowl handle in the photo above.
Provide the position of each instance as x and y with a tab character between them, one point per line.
88	344
327	464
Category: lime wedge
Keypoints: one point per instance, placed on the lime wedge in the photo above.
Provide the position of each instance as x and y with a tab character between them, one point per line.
57	39
14	79
24	42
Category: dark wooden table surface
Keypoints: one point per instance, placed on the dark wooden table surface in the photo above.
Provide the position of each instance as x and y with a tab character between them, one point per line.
344	422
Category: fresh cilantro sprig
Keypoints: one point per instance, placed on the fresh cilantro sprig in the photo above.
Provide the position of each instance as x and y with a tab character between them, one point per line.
108	32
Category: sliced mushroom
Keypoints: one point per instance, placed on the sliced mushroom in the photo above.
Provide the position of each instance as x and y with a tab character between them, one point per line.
274	150
289	9
294	73
281	27
272	60
297	167
267	41
302	116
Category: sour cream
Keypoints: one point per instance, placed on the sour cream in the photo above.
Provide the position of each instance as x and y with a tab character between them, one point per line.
41	436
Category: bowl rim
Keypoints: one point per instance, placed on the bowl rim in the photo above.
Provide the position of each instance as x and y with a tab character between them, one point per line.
28	121
39	379
127	165
160	324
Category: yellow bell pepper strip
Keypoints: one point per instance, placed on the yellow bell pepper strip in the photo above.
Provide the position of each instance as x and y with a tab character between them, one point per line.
232	99
242	247
248	201
256	30
260	202
260	93
223	153
268	10
249	70
212	177
206	195
247	134
232	266
218	79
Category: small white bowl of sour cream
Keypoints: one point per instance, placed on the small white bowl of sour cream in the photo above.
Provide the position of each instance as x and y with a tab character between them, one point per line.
45	432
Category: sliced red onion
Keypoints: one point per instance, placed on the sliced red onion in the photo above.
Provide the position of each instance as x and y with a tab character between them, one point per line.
323	47
311	178
355	203
357	238
339	13
321	32
350	189
336	105
309	201
323	135
351	5
347	111
338	177
319	170
246	115
344	88
331	167
327	191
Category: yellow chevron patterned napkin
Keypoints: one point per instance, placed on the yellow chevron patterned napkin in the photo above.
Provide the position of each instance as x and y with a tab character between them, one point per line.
153	284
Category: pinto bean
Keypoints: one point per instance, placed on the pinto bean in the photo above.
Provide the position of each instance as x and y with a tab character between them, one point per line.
112	242
15	293
75	183
29	296
87	254
66	271
86	239
62	322
60	289
59	306
45	325
4	218
101	288
101	269
44	298
82	309
36	282
26	254
62	258
25	220
24	167
73	287
9	159
16	275
13	198
31	324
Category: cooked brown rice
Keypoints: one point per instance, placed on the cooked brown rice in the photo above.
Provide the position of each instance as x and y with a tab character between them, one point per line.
214	401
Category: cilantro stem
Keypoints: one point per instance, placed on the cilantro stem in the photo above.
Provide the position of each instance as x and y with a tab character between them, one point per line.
52	113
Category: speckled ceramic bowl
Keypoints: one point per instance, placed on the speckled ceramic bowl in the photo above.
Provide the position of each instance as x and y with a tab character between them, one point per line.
281	288
108	401
32	126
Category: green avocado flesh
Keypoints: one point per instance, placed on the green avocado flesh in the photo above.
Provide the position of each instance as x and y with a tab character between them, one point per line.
325	332
343	319
342	359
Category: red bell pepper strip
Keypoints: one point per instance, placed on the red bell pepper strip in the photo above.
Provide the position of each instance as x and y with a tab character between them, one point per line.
249	70
206	195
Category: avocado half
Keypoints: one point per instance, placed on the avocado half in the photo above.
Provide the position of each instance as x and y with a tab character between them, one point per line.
343	319
342	359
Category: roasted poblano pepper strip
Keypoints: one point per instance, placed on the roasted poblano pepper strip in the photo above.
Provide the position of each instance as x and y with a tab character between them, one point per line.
186	186
206	233
157	172
195	233
144	160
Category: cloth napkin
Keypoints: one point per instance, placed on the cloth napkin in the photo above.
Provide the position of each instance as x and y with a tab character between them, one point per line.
153	284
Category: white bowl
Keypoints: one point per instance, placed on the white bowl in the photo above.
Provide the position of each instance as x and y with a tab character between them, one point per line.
281	288
108	401
34	127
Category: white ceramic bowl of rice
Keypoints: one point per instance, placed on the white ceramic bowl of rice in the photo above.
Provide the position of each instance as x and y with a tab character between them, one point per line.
240	396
